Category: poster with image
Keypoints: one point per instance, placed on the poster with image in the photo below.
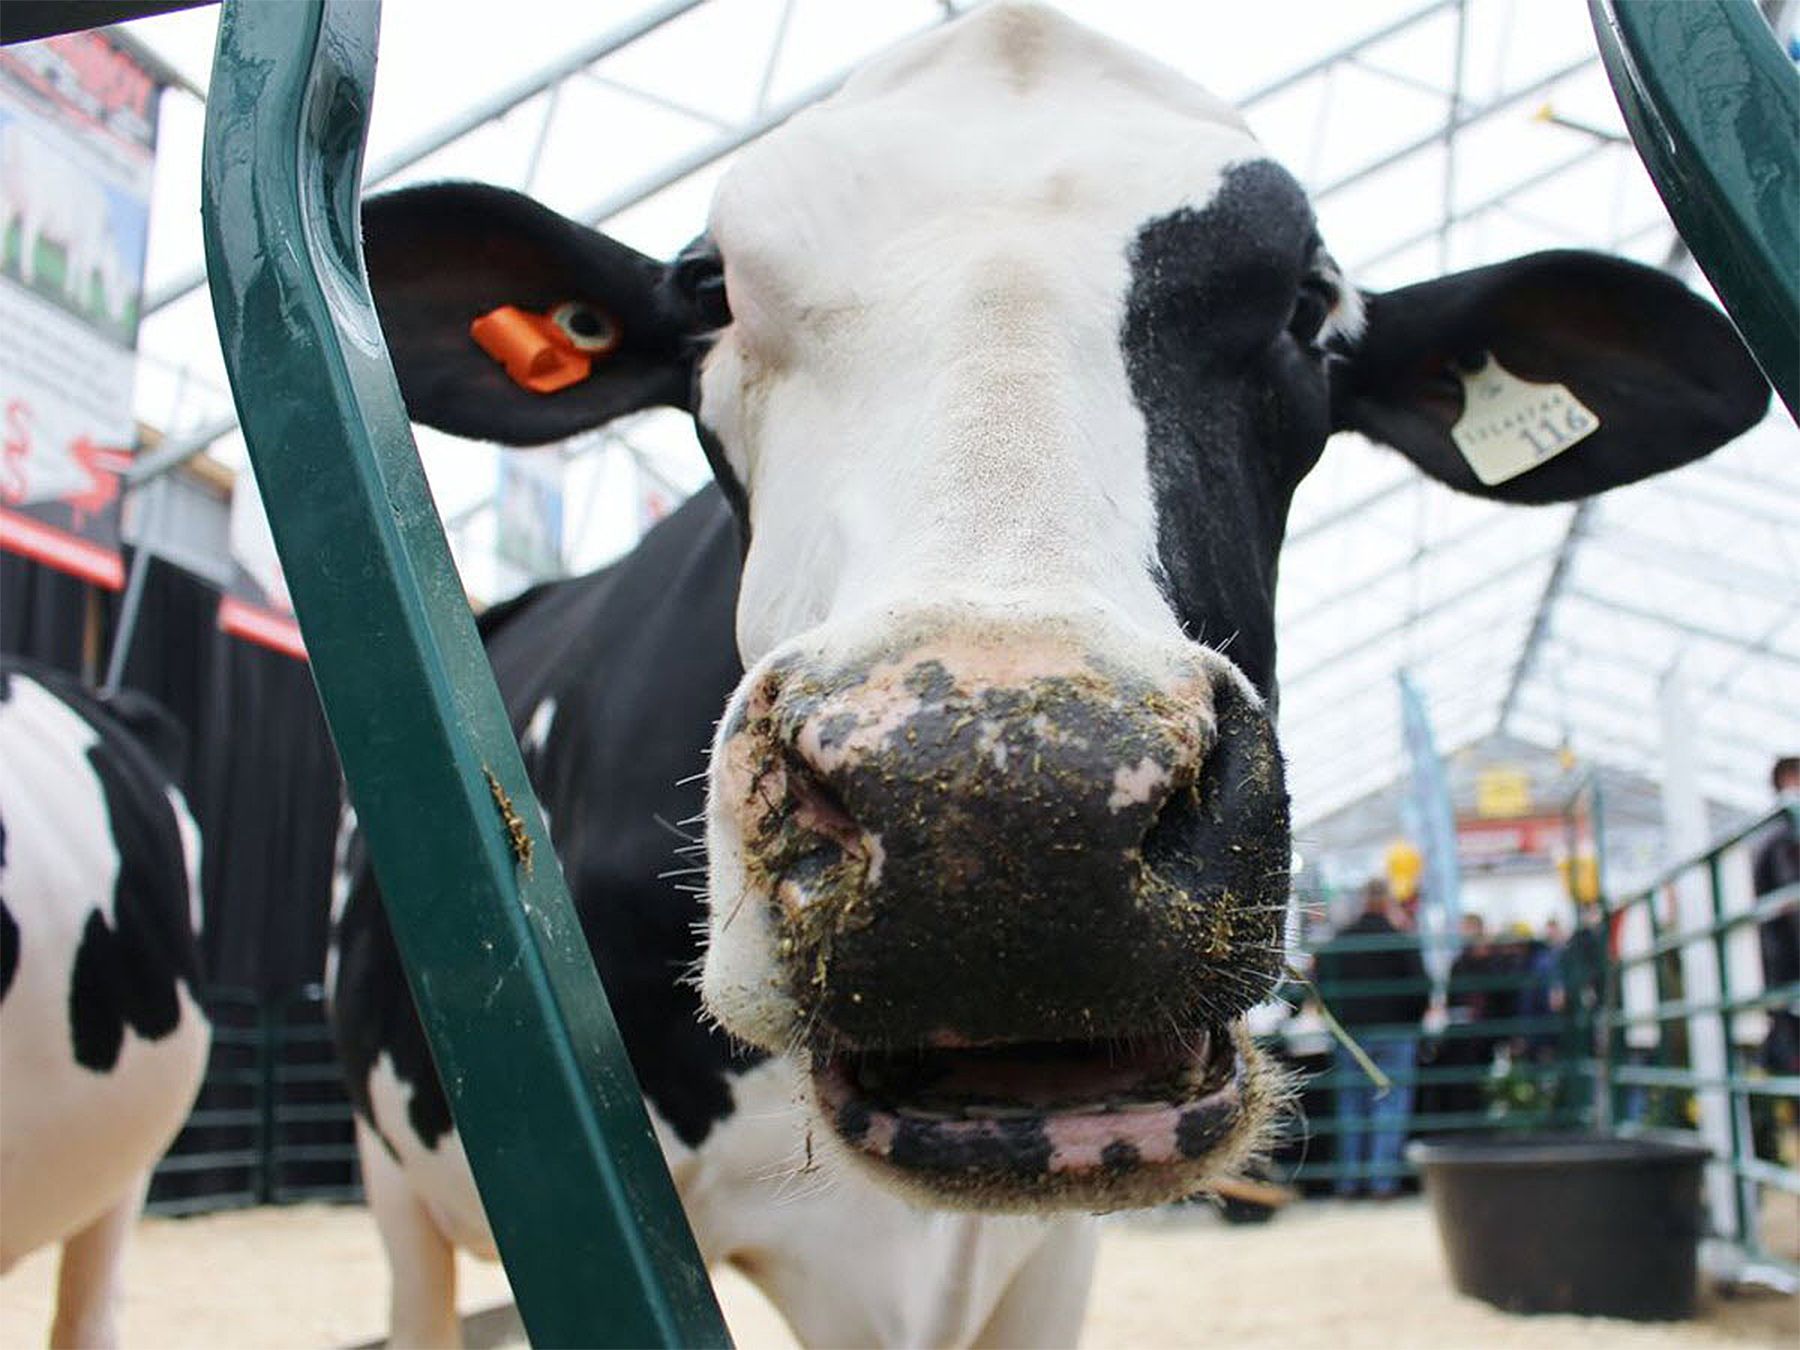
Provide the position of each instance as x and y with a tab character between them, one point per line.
77	148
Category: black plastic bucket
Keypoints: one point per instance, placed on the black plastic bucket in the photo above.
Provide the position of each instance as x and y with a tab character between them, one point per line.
1568	1223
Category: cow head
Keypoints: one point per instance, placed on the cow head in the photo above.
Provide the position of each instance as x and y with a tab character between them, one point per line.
1010	357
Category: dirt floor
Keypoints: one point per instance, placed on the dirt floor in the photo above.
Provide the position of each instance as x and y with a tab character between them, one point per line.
1320	1274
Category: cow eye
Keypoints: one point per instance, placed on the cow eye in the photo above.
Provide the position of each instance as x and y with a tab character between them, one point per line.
587	328
1312	305
700	277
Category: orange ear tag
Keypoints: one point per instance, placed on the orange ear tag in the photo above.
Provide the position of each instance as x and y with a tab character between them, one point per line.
546	352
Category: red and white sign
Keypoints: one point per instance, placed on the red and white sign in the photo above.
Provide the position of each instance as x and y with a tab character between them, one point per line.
77	145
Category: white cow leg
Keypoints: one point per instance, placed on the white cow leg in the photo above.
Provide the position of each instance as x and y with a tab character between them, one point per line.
421	1260
90	1279
1044	1304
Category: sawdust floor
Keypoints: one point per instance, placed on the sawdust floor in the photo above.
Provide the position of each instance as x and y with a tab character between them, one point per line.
1320	1274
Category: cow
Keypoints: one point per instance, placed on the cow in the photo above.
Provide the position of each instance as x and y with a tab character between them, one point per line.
102	1038
954	693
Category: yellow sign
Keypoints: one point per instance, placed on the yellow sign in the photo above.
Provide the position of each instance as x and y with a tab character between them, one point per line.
1581	877
1502	793
1404	863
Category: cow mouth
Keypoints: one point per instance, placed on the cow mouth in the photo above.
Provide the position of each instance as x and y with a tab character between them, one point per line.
1051	1124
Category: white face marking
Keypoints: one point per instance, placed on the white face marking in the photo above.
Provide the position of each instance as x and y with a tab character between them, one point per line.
923	388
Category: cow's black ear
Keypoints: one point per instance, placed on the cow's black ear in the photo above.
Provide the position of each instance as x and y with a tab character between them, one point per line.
441	256
1661	372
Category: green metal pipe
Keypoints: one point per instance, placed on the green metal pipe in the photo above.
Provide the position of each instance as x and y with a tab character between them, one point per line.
549	1114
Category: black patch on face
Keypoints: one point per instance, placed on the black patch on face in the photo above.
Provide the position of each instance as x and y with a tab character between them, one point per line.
930	682
836	728
9	949
126	975
1201	1129
723	474
1012	1148
1119	1156
853	1121
1236	408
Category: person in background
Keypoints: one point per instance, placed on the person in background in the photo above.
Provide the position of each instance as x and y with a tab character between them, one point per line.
1580	994
1372	1124
1777	865
1464	1046
1541	997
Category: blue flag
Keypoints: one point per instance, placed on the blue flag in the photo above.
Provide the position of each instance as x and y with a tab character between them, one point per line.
1431	819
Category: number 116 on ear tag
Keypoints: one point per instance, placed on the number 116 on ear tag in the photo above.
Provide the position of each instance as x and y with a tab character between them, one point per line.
1509	425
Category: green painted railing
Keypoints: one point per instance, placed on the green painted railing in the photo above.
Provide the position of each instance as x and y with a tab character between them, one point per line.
273	1124
1518	1071
1713	106
1654	1088
586	1220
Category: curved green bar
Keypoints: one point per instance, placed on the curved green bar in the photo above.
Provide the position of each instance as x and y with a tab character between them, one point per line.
1713	106
574	1185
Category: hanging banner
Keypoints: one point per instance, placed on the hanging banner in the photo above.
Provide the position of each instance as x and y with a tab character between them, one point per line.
1431	819
77	146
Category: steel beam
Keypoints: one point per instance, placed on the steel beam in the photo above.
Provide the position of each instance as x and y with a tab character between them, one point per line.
1718	689
173	453
685	165
1687	627
1361	44
476	115
1323	708
1483	583
1411	477
1486	204
1607	703
1499	516
1579	521
1756	648
1695	564
1446	214
1457	123
1689	487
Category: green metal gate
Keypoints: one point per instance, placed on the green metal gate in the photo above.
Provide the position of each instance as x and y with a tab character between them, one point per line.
581	1206
273	1123
1657	1091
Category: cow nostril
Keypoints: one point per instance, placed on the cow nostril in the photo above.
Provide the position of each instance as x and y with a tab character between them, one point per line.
817	806
1170	837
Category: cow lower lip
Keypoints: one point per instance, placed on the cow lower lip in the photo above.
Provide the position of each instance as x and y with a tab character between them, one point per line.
981	1120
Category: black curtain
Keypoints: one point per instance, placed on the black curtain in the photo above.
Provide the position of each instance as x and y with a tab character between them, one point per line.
261	777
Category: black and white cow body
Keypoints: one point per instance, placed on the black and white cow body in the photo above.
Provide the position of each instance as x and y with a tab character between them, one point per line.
613	682
102	1042
1007	360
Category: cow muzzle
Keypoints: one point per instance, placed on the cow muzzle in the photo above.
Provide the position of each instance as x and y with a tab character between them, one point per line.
1018	894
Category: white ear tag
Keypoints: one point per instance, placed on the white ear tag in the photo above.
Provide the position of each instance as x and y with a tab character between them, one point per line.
1509	425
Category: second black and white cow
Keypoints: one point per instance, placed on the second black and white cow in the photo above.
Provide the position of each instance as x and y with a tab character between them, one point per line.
102	1042
1007	360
